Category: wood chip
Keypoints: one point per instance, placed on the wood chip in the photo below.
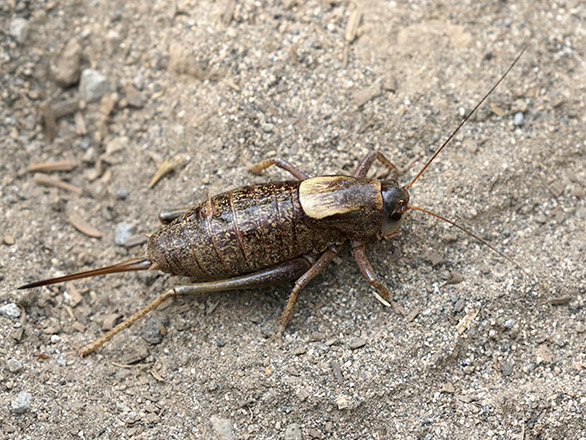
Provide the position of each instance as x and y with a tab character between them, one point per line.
337	371
45	180
65	108
466	320
352	26
560	301
362	96
167	166
556	188
343	402
74	294
135	355
448	387
80	126
156	375
110	321
302	394
78	327
357	343
82	225
70	313
107	104
455	278
497	110
59	165
228	12
49	118
413	314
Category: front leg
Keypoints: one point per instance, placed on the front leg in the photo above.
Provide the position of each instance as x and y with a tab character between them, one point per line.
359	253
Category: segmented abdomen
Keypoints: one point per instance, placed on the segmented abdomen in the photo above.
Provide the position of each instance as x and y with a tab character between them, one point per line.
238	232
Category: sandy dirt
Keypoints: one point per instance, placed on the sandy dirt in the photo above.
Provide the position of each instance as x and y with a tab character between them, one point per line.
219	85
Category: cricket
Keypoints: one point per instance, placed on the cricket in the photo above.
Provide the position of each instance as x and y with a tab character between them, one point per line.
276	232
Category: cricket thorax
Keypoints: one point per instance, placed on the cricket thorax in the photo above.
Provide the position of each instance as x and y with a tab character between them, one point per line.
351	205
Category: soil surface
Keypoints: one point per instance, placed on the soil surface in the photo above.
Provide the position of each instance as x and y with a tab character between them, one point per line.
213	87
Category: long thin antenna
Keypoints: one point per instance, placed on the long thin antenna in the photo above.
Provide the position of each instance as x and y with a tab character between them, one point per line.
470	234
465	119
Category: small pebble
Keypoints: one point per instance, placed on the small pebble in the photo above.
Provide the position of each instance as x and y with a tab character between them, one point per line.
460	305
507	368
134	97
122	233
14	365
19	29
8	240
303	394
314	433
518	119
10	310
122	193
343	402
22	403
92	86
509	323
155	330
223	427
293	432
68	66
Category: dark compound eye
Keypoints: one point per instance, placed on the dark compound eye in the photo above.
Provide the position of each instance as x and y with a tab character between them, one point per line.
395	201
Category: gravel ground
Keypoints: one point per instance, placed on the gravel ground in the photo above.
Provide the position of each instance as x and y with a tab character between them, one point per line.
111	92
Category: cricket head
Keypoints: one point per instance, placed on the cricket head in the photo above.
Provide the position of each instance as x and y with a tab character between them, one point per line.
395	206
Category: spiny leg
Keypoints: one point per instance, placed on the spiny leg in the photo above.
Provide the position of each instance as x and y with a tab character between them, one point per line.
168	215
283	164
323	261
359	253
369	159
286	271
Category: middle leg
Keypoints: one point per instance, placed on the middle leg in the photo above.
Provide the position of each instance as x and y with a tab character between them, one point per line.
283	164
369	159
323	261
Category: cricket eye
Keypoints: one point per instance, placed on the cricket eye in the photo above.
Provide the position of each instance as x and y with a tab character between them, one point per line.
395	206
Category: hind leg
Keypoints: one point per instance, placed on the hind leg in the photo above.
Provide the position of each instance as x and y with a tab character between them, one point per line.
283	272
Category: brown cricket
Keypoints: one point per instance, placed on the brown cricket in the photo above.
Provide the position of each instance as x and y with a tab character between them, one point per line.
274	232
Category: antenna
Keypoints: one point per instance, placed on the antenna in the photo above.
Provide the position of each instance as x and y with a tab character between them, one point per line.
465	119
484	242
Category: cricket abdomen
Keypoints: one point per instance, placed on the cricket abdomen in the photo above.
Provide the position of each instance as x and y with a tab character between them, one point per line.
238	232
